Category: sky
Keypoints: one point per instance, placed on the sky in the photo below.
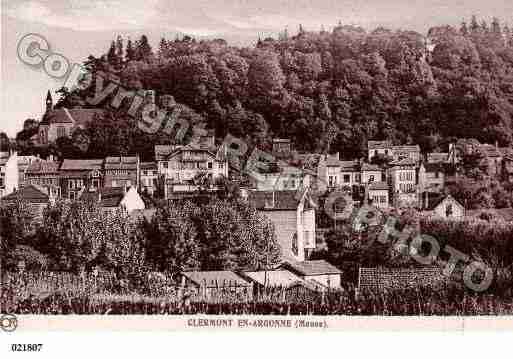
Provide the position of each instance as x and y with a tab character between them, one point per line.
77	28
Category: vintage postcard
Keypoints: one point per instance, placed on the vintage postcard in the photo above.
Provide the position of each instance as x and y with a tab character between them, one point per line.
248	166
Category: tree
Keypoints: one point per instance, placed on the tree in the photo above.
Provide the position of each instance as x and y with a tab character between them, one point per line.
112	54
130	51
474	25
143	51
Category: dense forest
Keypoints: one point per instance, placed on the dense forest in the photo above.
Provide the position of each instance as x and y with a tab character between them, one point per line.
327	91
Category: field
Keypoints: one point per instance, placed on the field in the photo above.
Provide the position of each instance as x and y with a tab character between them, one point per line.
64	293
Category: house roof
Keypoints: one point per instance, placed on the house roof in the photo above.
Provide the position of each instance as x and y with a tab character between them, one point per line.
372	145
352	166
435	157
370	167
283	200
407	148
378	186
78	116
43	167
105	197
281	140
280	277
403	162
81	165
434	200
148	165
121	162
490	150
308	268
28	193
216	278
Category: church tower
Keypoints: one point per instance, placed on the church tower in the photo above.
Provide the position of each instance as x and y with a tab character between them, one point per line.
49	102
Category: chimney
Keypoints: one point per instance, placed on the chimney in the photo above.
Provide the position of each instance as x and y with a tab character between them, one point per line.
99	196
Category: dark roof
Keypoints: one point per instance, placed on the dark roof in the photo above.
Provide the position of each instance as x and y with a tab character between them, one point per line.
107	196
82	165
121	162
370	167
283	200
216	278
490	150
43	167
378	186
307	268
349	166
409	148
378	144
148	165
79	116
434	199
403	162
436	157
28	193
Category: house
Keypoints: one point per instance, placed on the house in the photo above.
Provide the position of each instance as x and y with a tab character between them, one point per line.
213	283
79	175
114	198
149	177
332	173
293	217
371	173
121	171
182	165
23	163
431	177
33	196
318	271
377	192
9	174
492	159
44	174
403	182
281	146
379	147
442	206
411	152
63	122
350	174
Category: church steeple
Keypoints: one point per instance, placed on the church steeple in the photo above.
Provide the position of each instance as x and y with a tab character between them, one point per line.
49	101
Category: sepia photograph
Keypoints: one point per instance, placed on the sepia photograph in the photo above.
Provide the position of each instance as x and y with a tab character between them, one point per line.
236	164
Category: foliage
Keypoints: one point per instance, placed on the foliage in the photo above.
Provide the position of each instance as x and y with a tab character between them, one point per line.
217	235
344	87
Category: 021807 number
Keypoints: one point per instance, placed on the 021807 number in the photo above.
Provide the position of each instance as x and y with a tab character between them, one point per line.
26	347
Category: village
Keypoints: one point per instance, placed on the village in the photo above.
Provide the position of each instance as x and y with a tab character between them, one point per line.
390	177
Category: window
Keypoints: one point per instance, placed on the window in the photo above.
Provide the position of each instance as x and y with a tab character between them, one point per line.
347	178
331	181
2	182
221	166
371	178
114	183
448	210
295	249
61	132
209	165
164	164
145	173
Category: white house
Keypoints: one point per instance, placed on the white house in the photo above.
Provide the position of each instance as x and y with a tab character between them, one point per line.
293	217
9	174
